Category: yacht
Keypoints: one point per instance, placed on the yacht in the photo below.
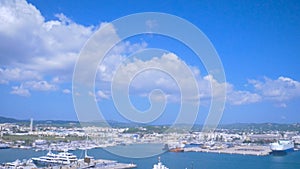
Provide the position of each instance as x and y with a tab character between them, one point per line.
18	165
63	158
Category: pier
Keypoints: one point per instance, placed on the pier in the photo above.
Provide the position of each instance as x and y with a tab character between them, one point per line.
241	149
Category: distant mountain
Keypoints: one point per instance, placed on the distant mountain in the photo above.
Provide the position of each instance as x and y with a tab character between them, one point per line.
196	127
8	120
66	122
262	126
40	122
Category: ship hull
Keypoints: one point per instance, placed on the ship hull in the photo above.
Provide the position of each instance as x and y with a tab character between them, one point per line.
46	163
286	150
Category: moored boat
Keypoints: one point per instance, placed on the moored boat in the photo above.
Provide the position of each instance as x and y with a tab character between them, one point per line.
4	146
25	164
176	149
159	165
282	146
51	159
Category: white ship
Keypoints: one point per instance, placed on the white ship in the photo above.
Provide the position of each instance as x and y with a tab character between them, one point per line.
51	159
159	165
70	161
18	165
282	146
4	145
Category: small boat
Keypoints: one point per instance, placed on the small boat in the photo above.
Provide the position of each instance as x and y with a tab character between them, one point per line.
25	164
4	146
159	165
176	150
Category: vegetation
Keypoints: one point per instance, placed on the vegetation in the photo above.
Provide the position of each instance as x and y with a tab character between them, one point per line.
29	139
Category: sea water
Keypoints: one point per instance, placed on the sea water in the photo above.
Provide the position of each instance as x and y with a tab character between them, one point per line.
186	160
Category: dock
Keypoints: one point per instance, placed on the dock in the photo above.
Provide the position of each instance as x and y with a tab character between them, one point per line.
80	164
95	164
242	149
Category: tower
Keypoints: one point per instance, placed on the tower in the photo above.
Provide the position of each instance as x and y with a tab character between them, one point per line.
31	124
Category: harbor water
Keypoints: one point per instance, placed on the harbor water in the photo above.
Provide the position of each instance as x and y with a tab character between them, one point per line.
186	160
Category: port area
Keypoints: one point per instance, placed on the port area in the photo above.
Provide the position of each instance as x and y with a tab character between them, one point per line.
80	164
97	164
242	149
101	163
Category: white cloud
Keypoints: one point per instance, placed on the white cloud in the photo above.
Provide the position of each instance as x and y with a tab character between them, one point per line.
281	89
39	55
17	74
281	105
66	91
19	90
32	48
242	97
39	86
102	95
25	88
151	24
166	72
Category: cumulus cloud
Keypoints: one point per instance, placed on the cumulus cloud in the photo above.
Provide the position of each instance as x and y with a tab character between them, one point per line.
167	73
40	85
29	37
242	97
17	74
33	48
102	95
19	90
278	90
281	89
25	88
39	55
66	91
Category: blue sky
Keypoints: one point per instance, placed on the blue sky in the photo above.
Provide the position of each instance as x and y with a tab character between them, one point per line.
257	42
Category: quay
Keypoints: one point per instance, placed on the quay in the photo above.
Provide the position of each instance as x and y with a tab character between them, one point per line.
95	164
100	163
241	149
86	163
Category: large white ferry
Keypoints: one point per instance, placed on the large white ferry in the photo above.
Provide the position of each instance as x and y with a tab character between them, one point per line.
63	158
282	146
